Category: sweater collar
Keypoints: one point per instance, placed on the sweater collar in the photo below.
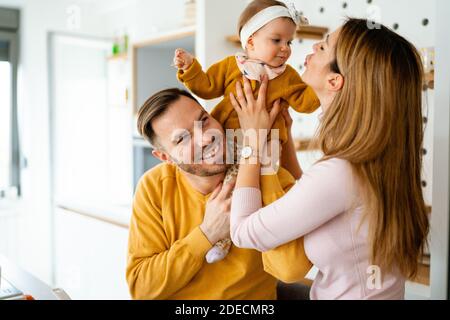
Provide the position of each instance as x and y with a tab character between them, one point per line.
253	69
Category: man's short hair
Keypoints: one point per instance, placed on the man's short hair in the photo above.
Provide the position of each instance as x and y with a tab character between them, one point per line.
156	106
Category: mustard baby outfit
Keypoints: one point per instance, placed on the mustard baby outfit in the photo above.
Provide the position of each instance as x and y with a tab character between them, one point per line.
284	84
220	79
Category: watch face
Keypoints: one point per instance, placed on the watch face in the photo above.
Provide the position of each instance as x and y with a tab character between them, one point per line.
246	152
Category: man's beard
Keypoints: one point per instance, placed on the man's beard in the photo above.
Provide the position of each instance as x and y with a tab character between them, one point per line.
203	170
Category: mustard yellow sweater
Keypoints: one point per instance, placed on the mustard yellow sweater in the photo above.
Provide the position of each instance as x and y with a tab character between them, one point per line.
166	254
220	79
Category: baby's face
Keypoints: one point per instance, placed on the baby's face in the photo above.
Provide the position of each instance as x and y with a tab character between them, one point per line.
272	43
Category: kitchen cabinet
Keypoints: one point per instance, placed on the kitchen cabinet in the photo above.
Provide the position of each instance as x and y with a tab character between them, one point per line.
90	256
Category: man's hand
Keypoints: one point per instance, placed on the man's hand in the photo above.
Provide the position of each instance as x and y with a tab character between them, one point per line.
216	223
182	59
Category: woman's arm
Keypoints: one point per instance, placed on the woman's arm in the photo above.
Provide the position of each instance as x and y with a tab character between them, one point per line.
255	129
319	196
323	192
289	159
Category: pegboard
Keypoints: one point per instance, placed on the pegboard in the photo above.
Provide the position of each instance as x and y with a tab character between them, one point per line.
413	19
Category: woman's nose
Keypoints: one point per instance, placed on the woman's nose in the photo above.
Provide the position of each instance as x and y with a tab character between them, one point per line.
315	46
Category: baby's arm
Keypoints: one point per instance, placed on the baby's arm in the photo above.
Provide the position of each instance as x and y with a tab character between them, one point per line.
207	85
298	94
182	59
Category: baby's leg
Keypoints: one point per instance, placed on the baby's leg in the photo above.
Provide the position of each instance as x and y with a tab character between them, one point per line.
219	251
222	247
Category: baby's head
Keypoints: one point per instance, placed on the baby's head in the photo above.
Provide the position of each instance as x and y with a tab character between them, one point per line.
266	29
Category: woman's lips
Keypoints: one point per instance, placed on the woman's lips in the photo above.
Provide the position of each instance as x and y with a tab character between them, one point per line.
307	59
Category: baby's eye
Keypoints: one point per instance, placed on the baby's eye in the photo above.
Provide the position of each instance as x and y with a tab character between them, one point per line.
290	43
276	40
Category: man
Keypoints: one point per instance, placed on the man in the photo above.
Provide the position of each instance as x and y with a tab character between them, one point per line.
181	210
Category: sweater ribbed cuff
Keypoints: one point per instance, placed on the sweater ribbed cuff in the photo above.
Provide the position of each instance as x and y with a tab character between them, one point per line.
190	73
245	201
198	243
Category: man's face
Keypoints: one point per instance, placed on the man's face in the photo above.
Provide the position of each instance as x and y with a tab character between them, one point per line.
189	137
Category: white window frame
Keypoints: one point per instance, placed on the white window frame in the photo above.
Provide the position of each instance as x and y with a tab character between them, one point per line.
9	29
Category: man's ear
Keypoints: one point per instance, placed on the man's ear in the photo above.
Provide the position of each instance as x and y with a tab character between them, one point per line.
335	82
161	155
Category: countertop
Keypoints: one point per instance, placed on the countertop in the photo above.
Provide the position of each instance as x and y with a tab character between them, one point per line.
117	214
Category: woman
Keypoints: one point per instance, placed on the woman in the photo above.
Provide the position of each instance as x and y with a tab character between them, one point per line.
361	207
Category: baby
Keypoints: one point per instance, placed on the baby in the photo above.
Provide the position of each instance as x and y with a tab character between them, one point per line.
266	29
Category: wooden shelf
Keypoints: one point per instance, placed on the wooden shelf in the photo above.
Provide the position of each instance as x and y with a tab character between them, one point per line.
423	275
428	80
170	39
234	40
165	37
303	32
302	145
121	56
311	32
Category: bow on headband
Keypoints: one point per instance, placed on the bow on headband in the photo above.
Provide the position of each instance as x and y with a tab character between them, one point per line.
263	17
298	18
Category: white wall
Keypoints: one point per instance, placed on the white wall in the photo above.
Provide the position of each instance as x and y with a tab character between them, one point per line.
33	234
408	14
216	19
101	18
142	18
154	71
440	215
12	3
79	270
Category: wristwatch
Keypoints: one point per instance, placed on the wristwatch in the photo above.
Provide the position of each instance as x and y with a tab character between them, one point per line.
246	152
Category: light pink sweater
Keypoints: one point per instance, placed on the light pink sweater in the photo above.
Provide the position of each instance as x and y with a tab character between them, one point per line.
325	207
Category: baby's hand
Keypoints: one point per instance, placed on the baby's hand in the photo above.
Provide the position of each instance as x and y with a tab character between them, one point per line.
182	59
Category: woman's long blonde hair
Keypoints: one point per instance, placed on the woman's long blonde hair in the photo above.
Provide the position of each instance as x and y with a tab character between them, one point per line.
375	123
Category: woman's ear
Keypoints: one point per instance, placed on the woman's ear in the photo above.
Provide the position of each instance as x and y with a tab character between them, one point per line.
161	155
335	82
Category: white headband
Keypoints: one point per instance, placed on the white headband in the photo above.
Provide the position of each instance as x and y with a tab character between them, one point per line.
263	17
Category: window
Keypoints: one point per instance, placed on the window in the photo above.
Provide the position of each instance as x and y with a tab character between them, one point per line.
9	137
5	124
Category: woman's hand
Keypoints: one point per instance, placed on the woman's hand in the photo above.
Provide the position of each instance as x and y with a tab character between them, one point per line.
253	112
